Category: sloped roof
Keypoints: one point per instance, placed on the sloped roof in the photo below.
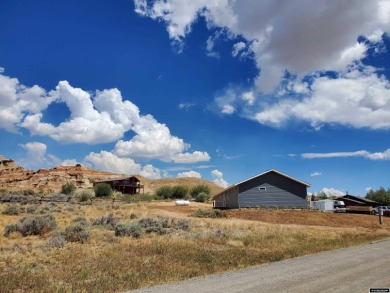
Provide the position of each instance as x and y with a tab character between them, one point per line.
359	199
261	174
117	179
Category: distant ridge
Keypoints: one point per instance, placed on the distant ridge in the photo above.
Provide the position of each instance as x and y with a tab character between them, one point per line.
16	178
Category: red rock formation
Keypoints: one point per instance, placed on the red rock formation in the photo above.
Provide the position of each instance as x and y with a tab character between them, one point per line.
16	178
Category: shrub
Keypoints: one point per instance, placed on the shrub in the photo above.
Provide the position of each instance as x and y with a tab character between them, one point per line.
56	241
77	233
130	229
196	190
13	210
182	224
68	188
81	220
164	192
202	197
106	221
28	192
152	225
102	190
201	213
85	195
133	215
31	209
179	191
33	226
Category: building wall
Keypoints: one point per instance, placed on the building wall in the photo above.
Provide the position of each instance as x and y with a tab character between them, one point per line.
229	197
279	191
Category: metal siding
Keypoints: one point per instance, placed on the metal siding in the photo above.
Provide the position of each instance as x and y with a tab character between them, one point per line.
280	191
230	197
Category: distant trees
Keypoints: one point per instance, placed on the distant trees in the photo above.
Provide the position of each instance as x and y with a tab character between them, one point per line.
200	193
381	195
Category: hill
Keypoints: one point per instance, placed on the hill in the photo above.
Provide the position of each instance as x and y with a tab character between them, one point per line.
16	178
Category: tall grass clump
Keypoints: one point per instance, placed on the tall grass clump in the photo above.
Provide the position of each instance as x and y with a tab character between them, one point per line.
108	221
39	225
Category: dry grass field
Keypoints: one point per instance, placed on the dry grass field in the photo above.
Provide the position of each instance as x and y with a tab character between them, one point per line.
176	247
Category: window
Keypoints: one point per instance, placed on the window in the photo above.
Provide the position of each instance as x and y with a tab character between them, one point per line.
262	188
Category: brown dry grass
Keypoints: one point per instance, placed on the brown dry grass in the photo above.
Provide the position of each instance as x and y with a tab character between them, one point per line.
109	264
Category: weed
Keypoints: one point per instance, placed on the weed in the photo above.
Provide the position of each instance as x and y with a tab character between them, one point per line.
152	225
108	221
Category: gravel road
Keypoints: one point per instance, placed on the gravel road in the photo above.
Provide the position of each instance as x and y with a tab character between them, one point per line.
355	269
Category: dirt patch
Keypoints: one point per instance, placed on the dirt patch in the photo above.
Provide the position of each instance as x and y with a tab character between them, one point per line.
312	218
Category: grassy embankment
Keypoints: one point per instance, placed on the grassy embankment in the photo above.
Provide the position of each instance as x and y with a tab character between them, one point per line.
106	263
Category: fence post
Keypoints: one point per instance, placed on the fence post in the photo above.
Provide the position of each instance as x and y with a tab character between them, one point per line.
380	216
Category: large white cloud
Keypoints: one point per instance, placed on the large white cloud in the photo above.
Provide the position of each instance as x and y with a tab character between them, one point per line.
298	36
95	118
356	98
109	162
17	100
37	156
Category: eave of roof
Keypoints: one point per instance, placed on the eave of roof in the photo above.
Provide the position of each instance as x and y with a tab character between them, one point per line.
261	174
116	179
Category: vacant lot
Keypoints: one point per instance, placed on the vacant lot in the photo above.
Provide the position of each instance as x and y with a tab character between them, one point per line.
169	245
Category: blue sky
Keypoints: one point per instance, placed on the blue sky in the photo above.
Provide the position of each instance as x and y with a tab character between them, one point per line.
222	90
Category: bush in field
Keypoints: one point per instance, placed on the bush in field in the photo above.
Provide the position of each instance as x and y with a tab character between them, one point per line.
77	233
81	221
164	192
32	226
202	197
56	241
31	209
196	190
85	195
130	229
152	225
209	214
182	224
13	210
68	188
179	191
108	221
102	190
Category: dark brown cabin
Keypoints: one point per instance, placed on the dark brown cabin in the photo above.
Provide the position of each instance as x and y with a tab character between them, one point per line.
127	185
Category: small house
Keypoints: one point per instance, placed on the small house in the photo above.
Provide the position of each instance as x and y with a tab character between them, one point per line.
127	185
269	189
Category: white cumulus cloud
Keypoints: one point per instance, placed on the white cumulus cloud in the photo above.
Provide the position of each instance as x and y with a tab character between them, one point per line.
189	174
218	178
95	118
107	161
37	156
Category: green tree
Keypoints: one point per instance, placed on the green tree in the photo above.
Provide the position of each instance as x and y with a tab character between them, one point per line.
199	189
202	197
179	191
381	195
102	190
164	192
68	188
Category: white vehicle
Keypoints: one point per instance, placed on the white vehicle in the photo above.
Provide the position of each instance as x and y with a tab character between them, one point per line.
328	205
385	209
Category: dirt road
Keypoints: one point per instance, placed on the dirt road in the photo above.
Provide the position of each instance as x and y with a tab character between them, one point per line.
355	269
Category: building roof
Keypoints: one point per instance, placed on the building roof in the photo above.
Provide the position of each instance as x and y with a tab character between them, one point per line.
261	174
359	199
116	179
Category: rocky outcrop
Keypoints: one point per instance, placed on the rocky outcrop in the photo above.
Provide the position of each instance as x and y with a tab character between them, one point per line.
15	178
